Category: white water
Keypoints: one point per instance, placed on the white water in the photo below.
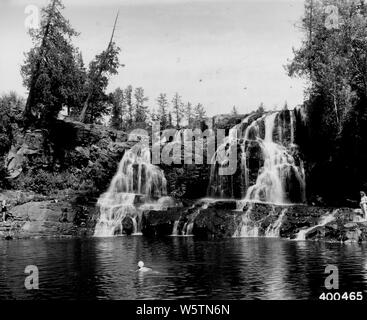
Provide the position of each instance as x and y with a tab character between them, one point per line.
248	228
187	229
279	180
292	127
273	231
301	235
136	185
279	169
175	228
279	166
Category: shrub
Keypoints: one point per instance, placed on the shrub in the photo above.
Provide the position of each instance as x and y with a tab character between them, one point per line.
45	182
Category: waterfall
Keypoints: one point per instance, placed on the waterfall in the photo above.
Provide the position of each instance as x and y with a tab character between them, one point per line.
251	228
188	225
301	235
136	184
273	231
175	228
279	175
278	169
269	170
248	228
292	127
217	183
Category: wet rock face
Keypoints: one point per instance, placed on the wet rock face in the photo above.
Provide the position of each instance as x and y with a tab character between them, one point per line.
187	181
216	223
160	222
221	219
88	154
48	219
127	226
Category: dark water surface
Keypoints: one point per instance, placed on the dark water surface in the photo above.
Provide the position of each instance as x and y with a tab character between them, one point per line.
186	268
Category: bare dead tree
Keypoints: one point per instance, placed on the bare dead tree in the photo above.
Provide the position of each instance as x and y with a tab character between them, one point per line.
100	70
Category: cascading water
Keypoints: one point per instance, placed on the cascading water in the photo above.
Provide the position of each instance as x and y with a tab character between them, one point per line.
301	235
188	225
137	183
278	169
248	228
175	228
273	231
279	175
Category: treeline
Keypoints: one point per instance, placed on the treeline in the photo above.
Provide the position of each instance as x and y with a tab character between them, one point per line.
333	58
56	78
129	108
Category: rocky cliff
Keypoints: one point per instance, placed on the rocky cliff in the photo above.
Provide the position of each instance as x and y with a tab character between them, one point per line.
59	173
222	219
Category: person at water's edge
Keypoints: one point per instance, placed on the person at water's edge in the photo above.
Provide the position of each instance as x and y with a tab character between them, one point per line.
363	204
4	210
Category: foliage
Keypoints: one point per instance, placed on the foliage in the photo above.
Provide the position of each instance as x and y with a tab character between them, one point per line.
118	109
11	108
162	115
234	111
52	71
199	112
178	109
189	114
100	69
46	182
333	59
141	110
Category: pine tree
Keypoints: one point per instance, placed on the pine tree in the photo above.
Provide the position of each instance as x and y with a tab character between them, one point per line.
189	114
199	113
178	109
261	108
163	106
103	66
118	110
141	110
170	120
128	93
234	111
51	71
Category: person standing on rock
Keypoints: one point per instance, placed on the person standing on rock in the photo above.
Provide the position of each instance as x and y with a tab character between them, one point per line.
4	210
363	204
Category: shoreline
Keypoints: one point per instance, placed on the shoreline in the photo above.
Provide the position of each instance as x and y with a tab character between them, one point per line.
220	219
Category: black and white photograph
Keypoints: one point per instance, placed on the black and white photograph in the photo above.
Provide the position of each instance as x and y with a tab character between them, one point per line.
203	151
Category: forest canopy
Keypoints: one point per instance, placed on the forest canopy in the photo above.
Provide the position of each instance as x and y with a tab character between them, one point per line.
333	59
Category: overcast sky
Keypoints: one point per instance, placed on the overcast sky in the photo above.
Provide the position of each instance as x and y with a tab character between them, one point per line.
220	53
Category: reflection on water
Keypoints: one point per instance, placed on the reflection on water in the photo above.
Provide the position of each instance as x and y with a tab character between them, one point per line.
186	268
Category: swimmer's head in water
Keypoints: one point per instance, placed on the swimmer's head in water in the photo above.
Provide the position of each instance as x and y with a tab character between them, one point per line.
140	264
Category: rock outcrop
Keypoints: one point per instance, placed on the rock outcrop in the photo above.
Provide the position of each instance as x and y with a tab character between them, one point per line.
220	219
69	155
34	215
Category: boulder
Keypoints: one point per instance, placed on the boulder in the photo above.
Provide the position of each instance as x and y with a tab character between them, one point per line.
223	205
216	223
160	222
17	197
127	225
48	219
